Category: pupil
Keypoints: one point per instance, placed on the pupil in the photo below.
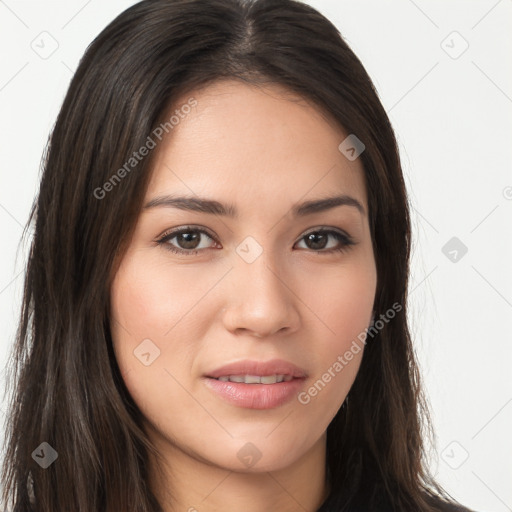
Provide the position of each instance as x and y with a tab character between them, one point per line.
322	237
186	240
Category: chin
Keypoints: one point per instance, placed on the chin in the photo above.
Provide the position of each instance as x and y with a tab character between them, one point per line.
260	455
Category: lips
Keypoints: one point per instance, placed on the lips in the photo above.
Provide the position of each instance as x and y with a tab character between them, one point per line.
256	384
277	367
256	379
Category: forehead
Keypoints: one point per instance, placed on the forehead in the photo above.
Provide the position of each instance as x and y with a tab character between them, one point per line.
242	141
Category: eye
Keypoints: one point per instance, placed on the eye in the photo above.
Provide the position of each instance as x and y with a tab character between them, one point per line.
188	240
318	240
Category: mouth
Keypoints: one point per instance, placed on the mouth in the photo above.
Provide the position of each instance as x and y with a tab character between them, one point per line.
256	379
256	384
256	372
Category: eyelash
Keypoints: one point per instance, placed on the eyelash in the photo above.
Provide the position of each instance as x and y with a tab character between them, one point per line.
346	240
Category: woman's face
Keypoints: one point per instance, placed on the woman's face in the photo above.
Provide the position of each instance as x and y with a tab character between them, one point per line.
262	286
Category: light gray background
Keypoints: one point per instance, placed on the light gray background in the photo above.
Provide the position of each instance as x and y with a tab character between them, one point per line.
451	110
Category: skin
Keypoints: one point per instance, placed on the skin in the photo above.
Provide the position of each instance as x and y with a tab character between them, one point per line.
263	150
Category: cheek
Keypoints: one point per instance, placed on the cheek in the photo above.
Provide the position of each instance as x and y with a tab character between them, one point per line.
142	312
341	303
158	316
341	299
151	300
144	297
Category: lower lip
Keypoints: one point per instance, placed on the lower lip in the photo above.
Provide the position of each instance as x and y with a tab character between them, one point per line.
256	396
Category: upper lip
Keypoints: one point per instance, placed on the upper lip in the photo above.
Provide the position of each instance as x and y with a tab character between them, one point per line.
261	368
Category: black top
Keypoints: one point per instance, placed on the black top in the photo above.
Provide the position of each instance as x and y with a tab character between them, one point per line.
385	505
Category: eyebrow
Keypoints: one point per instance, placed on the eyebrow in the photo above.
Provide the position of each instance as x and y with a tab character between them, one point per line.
199	204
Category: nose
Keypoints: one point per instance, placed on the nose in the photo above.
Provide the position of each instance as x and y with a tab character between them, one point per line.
260	300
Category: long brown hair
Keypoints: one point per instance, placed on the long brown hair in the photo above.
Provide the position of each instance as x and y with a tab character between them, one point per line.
67	388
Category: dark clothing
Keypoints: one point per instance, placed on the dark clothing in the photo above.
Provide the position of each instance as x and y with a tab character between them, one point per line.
384	505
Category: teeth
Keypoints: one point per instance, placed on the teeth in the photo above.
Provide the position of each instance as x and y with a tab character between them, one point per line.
256	379
236	378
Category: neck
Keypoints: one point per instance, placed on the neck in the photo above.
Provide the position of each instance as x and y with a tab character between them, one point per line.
183	482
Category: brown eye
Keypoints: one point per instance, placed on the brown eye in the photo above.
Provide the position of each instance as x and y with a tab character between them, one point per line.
187	240
319	239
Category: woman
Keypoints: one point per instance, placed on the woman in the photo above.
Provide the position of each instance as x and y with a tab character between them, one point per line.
214	311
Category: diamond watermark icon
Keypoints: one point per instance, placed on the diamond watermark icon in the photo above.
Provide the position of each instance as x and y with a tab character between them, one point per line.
351	147
249	249
454	45
146	352
45	45
249	455
454	249
44	455
455	455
